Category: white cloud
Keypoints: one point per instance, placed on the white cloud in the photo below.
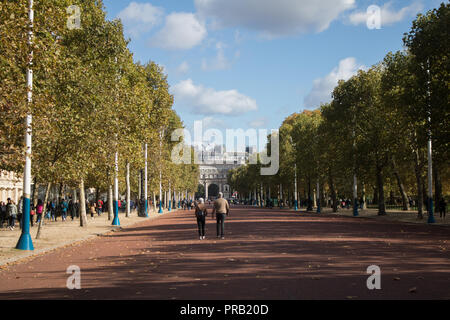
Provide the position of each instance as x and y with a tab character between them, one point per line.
182	31
388	15
208	101
220	62
139	18
323	87
183	68
274	18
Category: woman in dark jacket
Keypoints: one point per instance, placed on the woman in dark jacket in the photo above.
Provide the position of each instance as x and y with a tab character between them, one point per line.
201	212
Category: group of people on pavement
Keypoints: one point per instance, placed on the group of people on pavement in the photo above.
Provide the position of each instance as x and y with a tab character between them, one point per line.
8	214
221	208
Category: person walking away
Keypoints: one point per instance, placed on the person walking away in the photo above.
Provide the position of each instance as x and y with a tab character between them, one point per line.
201	212
20	210
71	209
220	209
53	210
64	208
32	214
3	218
39	210
92	209
11	213
99	207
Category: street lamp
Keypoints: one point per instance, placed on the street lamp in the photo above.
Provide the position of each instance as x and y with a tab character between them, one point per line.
430	154
116	221
295	188
161	135
25	242
295	175
146	181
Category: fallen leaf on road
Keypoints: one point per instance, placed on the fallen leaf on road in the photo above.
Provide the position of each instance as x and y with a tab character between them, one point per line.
413	290
397	279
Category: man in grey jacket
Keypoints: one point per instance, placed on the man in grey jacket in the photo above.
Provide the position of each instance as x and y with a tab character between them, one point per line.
11	213
221	208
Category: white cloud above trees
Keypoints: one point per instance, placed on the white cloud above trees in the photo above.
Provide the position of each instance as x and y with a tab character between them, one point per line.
208	101
139	18
323	87
182	31
274	18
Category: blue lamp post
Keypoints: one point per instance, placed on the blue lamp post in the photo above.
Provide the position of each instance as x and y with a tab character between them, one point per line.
146	181
169	195
116	221
25	242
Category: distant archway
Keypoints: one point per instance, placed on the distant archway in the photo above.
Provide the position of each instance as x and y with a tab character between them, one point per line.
213	191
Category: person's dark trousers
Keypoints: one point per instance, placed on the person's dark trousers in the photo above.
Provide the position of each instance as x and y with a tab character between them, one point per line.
201	226
12	221
220	224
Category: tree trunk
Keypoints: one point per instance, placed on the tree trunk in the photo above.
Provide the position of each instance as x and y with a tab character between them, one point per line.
333	195
47	193
437	188
419	191
380	186
83	217
35	195
401	187
110	202
60	193
128	191
425	193
310	202
364	196
375	195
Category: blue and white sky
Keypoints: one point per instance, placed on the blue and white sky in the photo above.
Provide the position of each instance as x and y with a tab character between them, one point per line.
251	63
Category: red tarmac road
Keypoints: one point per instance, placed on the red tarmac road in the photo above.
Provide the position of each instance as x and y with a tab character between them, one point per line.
267	254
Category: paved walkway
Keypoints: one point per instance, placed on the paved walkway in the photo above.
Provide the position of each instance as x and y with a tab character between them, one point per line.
267	254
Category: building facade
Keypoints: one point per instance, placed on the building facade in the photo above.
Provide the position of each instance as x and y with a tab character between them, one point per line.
11	186
215	164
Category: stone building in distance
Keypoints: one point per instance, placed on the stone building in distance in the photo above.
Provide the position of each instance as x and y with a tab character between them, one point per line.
11	186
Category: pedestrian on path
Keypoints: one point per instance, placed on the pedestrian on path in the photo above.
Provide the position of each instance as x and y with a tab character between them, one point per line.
99	207
221	208
11	213
3	217
93	209
64	207
201	212
39	210
32	214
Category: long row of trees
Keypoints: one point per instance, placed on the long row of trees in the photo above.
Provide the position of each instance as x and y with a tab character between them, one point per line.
90	100
375	128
